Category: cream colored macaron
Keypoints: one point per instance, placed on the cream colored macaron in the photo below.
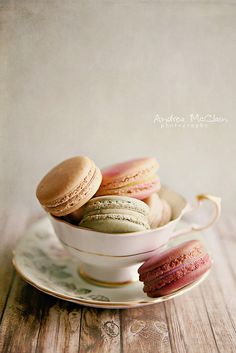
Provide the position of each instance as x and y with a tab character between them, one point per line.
156	207
166	213
160	211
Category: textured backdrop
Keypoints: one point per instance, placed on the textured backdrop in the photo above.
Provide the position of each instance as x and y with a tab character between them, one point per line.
96	77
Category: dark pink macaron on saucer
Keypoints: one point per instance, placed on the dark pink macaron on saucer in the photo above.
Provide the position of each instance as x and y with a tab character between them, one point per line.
174	268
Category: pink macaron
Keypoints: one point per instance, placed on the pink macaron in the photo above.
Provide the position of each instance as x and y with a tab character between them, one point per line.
174	268
135	178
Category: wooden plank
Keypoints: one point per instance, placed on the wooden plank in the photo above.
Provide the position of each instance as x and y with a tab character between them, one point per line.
36	322
100	331
221	307
60	326
227	237
175	332
216	309
19	302
21	320
189	326
11	226
145	330
202	316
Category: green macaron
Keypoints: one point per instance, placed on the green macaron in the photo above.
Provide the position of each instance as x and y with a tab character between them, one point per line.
115	214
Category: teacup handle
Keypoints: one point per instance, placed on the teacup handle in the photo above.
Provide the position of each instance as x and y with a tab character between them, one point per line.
216	201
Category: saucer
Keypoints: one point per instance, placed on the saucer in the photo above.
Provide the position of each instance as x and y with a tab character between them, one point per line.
41	260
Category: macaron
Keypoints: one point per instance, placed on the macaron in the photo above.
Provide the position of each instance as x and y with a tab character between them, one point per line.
115	214
160	211
174	268
166	213
135	178
155	204
69	185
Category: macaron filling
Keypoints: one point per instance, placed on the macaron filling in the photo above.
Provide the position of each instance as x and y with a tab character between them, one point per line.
133	189
104	205
128	180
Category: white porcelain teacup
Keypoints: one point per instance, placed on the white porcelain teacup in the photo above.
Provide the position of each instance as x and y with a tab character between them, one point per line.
113	259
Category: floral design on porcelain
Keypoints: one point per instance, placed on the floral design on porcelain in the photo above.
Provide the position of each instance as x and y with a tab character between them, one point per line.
51	268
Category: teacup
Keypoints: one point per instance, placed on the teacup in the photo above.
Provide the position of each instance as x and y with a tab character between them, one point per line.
113	259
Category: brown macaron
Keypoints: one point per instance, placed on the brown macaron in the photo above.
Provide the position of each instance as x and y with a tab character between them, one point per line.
69	185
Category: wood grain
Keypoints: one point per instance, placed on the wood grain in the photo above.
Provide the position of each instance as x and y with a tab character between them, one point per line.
220	294
203	320
100	331
190	330
21	319
60	327
11	227
145	329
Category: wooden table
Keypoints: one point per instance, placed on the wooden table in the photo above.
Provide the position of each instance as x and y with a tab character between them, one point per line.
203	320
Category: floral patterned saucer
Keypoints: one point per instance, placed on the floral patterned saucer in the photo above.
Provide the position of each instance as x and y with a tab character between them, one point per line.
41	261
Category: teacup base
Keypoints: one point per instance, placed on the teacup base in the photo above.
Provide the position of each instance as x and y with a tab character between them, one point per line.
111	277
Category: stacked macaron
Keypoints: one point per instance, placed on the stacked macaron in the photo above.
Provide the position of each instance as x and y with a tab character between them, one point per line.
122	198
116	214
68	186
138	179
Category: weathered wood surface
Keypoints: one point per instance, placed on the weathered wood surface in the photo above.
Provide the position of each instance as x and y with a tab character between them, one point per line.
203	320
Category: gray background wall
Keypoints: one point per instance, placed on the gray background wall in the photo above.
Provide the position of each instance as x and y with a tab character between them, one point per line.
89	77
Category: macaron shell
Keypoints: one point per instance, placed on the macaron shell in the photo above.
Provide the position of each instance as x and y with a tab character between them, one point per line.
64	178
171	266
135	178
112	202
138	191
162	278
109	224
123	173
169	255
68	186
183	281
79	199
115	214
